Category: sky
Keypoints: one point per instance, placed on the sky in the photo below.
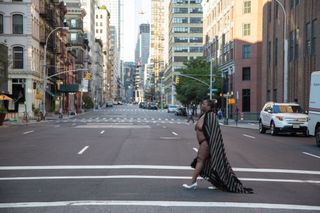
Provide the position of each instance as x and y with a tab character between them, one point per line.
131	21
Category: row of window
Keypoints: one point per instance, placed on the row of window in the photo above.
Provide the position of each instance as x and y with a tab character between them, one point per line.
180	10
186	1
17	24
187	49
187	39
187	29
185	20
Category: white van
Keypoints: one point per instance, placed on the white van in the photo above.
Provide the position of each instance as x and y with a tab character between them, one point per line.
314	107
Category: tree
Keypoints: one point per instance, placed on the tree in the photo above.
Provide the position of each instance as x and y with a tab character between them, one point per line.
189	90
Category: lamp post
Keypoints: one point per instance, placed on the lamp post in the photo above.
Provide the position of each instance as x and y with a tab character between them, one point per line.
161	84
285	59
45	67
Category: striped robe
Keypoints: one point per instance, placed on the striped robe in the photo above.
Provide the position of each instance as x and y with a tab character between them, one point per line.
217	169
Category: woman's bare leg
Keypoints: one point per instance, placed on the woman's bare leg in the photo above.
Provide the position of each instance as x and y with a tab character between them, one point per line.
203	154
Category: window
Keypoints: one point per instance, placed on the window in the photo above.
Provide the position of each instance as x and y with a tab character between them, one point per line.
246	7
100	30
180	40
17	58
73	36
195	10
73	23
180	49
195	29
275	51
246	29
246	51
196	20
100	16
101	24
1	23
196	40
180	58
180	20
296	43
180	10
291	45
180	29
246	73
313	37
269	54
97	31
96	24
17	24
97	16
308	42
195	49
246	100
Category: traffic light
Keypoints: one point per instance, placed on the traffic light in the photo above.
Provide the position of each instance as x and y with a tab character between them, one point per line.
177	80
88	75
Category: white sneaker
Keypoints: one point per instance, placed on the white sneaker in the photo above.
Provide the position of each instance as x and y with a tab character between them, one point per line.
192	186
212	187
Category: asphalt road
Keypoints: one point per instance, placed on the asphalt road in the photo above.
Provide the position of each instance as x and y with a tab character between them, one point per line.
125	159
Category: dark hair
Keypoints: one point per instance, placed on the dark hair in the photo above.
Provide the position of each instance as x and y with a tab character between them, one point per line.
211	103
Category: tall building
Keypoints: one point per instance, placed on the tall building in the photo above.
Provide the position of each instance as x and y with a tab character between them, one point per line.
157	41
128	73
185	40
232	40
25	28
102	32
142	54
115	7
302	33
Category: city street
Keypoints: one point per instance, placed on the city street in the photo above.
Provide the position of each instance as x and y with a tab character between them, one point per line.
126	159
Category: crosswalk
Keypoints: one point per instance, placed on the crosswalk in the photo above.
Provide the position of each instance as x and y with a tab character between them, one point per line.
117	119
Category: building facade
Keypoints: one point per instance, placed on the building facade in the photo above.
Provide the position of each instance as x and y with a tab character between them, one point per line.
302	34
184	41
232	41
26	27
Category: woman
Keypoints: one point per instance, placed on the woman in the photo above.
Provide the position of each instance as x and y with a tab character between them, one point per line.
212	163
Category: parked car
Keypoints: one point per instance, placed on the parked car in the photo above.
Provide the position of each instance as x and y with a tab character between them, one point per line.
109	104
283	117
172	108
152	106
314	107
181	111
142	105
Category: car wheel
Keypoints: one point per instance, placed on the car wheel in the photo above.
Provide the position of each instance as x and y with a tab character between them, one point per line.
273	129
262	129
317	134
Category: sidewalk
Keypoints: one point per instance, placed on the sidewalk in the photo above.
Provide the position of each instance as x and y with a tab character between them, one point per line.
249	124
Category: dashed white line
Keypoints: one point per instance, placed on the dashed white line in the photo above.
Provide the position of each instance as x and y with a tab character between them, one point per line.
83	150
249	136
102	132
174	133
195	149
28	132
312	155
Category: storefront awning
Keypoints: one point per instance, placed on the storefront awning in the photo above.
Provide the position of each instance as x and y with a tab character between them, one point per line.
69	87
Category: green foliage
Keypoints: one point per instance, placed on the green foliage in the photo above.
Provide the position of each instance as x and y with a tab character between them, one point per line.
87	102
189	90
3	110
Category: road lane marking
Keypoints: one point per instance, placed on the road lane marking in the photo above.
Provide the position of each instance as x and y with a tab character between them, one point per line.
102	132
83	150
170	138
312	155
56	126
28	132
149	177
174	133
153	167
162	204
195	149
113	126
249	136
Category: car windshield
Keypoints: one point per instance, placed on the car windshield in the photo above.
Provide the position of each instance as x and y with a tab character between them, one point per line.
172	106
287	109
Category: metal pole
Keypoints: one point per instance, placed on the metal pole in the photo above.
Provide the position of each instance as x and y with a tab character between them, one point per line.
45	68
161	103
172	89
285	58
210	79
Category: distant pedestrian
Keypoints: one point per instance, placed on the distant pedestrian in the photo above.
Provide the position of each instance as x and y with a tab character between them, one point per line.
212	163
190	114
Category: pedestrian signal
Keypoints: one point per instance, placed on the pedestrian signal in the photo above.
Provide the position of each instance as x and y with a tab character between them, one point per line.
88	76
177	80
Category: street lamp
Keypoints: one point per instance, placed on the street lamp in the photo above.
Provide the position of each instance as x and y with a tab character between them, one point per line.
45	67
285	59
161	84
